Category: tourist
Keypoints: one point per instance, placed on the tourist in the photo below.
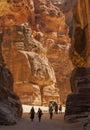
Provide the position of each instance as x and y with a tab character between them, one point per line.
56	109
32	113
60	108
39	114
51	112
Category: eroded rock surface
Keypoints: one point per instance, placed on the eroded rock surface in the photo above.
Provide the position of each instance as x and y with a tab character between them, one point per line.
78	103
67	7
10	105
35	46
87	124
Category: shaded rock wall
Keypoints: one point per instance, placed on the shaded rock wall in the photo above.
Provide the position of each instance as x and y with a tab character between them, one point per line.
67	7
10	105
87	124
78	103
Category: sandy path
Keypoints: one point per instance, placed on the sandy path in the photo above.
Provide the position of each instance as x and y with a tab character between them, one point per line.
46	124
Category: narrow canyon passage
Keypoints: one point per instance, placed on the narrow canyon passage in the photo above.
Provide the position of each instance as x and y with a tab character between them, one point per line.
44	61
57	123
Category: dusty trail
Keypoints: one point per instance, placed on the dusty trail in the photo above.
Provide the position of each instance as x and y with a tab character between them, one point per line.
46	124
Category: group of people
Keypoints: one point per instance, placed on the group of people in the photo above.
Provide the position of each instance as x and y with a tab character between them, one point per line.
40	113
56	109
32	114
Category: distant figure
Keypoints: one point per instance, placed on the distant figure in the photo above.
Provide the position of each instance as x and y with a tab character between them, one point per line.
32	113
60	108
56	109
39	114
51	112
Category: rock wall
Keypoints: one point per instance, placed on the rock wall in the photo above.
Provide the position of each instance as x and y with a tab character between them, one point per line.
51	23
67	7
78	103
10	105
35	48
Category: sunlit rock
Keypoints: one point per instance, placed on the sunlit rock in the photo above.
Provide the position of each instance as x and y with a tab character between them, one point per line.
35	45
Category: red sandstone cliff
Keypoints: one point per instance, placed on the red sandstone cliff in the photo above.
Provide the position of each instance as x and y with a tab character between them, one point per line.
35	48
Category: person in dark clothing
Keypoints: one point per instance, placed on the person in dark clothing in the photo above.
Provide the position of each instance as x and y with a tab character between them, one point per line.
32	113
60	108
39	114
56	109
51	112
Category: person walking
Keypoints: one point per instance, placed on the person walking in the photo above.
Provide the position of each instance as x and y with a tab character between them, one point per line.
60	108
51	112
39	114
32	113
56	109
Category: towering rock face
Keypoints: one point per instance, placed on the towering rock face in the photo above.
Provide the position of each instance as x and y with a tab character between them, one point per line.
35	48
67	7
10	105
51	23
78	103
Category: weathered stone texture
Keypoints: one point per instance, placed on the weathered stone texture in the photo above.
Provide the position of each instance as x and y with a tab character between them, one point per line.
78	103
35	47
87	124
10	105
55	39
67	6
